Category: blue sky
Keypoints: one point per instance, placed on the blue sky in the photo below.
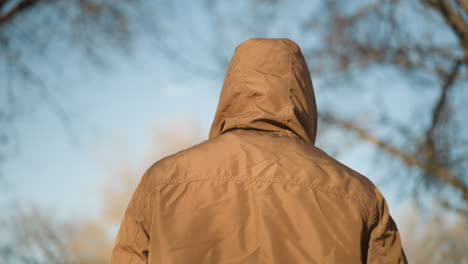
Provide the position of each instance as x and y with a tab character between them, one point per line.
115	111
64	169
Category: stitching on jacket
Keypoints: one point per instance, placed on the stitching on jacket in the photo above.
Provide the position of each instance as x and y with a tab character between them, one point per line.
319	187
235	178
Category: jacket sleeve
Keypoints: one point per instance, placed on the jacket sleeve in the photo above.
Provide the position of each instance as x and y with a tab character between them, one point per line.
385	244
131	245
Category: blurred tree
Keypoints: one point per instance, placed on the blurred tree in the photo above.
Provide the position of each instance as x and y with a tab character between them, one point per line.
41	39
34	235
426	43
423	41
435	238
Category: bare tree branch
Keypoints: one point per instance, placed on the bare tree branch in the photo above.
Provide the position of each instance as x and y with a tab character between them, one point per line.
441	173
449	81
453	17
463	4
445	204
429	146
2	4
22	6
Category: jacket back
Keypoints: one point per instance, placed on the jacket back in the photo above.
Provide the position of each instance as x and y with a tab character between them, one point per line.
258	190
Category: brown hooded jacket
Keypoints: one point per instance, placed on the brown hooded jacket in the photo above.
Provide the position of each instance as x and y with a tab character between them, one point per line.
258	190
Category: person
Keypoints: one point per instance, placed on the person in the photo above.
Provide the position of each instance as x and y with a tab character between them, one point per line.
258	190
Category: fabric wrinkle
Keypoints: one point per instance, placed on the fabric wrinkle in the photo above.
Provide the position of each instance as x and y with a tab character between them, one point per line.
258	190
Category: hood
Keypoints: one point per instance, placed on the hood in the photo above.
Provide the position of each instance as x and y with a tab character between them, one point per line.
267	87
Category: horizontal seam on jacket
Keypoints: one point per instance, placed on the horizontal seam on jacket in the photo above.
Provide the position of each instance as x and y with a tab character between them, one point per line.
319	187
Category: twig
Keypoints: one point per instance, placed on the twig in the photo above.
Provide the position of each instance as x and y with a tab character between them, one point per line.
439	172
19	8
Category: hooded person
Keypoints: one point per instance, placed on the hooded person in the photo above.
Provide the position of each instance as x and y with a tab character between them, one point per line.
258	190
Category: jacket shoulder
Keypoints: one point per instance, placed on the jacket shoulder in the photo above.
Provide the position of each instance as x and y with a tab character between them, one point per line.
344	178
217	157
176	167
